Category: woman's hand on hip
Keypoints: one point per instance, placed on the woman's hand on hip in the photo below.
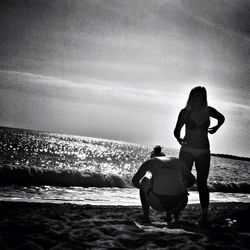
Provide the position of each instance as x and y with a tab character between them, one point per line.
212	130
182	141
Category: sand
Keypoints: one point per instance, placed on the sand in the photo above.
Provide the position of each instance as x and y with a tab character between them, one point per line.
67	226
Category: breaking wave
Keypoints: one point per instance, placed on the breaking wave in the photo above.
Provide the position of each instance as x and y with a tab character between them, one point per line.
31	175
25	175
230	187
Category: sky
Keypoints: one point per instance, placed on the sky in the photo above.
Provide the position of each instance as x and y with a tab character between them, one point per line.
123	69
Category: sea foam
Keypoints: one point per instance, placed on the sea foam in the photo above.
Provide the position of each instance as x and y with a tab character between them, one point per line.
25	175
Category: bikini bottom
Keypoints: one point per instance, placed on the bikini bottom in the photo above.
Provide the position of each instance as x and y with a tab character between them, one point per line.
195	152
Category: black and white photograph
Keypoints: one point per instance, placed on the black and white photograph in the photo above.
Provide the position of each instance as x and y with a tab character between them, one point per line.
124	124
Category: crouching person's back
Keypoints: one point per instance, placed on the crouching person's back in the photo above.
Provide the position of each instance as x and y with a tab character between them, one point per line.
166	191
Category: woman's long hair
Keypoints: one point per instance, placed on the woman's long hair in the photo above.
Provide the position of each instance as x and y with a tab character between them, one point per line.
197	90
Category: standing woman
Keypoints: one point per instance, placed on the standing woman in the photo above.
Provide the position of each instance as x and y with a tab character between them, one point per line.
195	146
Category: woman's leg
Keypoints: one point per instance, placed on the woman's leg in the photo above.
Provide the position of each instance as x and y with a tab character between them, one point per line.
187	158
174	205
202	165
145	187
182	204
155	202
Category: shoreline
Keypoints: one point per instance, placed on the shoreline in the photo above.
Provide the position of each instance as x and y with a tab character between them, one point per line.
101	196
69	226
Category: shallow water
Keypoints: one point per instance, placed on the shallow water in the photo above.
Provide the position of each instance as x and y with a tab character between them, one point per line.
98	196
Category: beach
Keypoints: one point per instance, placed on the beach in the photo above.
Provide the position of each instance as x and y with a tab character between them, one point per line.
27	225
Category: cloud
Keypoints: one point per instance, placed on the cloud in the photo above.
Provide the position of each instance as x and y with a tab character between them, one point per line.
88	91
134	42
99	92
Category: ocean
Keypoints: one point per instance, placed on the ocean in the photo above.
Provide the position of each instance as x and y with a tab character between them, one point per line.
57	168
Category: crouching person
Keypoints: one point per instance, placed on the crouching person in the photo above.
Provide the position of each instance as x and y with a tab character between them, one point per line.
166	190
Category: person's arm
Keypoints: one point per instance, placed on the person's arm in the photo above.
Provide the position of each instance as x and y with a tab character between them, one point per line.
140	174
178	127
218	116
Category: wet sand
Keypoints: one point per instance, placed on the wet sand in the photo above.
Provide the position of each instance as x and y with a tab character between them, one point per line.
67	226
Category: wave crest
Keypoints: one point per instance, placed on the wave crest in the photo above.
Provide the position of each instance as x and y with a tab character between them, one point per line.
26	175
32	175
230	187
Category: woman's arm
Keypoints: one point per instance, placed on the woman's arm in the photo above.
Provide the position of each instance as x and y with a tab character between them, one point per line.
179	125
218	116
